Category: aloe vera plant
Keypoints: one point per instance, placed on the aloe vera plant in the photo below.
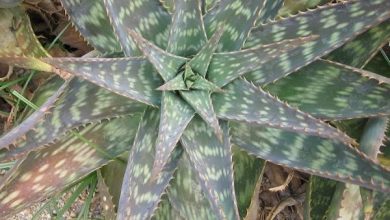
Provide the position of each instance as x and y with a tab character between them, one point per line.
178	83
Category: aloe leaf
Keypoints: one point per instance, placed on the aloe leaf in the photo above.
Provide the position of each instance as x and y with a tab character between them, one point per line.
318	197
237	17
382	204
165	211
292	7
174	118
185	193
364	73
346	203
63	163
145	17
187	33
332	23
200	101
18	37
370	142
176	83
140	196
201	60
91	20
340	98
134	77
106	199
32	120
166	64
244	102
359	52
71	112
374	136
225	67
203	84
269	11
310	154
212	160
248	171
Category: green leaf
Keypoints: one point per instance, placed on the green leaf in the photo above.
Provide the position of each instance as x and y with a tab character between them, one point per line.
186	195
201	60
31	121
269	11
248	170
244	102
63	163
145	17
318	197
237	17
81	103
140	196
225	67
133	77
174	118
212	160
166	64
187	33
292	7
335	24
200	100
91	20
364	73
106	199
165	211
346	203
332	92
310	154
358	52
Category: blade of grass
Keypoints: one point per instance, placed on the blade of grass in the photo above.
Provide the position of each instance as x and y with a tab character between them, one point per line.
87	203
13	82
385	56
46	206
74	196
7	165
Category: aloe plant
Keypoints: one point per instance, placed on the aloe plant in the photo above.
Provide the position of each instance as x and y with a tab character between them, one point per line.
177	83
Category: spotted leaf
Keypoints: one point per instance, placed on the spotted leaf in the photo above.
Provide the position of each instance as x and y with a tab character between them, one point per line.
140	196
32	120
333	23
244	102
91	20
134	77
310	154
269	11
166	64
237	17
187	33
71	111
341	97
318	197
201	61
186	194
145	17
63	163
174	118
200	100
212	160
225	67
